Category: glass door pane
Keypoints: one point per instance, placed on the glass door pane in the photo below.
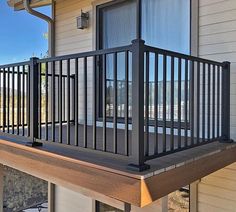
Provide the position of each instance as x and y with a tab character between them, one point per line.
118	28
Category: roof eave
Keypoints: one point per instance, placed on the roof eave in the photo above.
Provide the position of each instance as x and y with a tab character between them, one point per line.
18	4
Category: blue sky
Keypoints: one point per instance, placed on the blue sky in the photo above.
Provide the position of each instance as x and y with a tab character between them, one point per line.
21	34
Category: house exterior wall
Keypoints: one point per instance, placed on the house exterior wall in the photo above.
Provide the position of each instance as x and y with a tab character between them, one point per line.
67	200
70	40
217	41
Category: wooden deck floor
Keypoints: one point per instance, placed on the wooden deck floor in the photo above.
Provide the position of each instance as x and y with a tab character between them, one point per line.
87	171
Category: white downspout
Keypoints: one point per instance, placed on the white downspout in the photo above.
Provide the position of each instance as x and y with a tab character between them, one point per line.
51	30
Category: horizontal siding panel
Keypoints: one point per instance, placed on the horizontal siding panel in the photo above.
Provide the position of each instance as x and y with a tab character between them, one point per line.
217	7
218	48
74	13
220	182
73	33
69	39
225	37
227	173
217	192
221	203
73	4
217	28
217	18
74	41
232	166
220	57
203	207
78	36
209	2
72	51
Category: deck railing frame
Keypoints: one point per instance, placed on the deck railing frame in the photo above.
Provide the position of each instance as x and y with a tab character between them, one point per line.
139	153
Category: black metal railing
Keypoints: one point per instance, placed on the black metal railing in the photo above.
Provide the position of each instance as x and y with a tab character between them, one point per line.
14	99
137	101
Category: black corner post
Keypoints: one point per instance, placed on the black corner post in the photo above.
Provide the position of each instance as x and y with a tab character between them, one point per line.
33	97
225	138
138	51
137	155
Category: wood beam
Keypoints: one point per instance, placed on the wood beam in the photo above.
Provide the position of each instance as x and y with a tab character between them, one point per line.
91	180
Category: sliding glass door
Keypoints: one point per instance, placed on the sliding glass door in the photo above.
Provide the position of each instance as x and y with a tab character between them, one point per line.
165	24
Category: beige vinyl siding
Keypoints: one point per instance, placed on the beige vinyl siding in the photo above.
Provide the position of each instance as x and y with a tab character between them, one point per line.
217	192
217	41
67	200
68	38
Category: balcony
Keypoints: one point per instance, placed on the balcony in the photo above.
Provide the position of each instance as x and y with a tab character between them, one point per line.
131	110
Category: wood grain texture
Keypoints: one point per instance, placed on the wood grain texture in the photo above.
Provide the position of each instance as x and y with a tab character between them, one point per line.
111	184
176	178
71	175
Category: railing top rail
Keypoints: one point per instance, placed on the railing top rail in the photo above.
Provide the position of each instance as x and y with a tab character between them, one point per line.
87	54
180	55
15	64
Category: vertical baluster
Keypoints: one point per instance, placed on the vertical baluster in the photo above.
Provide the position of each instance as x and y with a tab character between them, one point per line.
64	98
115	103
28	100
60	101
8	100
209	103
68	101
179	100
46	102
104	81
172	103
218	101
203	101
85	101
156	103
95	102
58	96
18	99
147	105
164	103
192	102
186	103
213	102
127	103
23	101
53	105
4	99
40	101
198	102
76	104
13	101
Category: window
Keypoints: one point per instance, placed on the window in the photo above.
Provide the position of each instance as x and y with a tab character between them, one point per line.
165	24
102	207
